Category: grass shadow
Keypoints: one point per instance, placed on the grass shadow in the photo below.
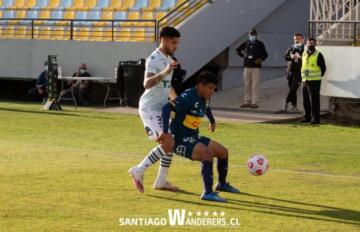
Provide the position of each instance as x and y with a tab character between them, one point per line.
327	214
52	113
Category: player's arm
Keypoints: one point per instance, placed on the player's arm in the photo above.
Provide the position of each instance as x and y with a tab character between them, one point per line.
166	113
152	79
172	94
211	118
180	104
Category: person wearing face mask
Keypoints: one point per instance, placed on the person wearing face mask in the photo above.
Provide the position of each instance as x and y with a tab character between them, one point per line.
41	87
312	70
254	53
293	56
80	88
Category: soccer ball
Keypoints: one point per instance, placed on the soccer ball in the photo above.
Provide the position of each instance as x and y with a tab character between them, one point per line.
257	165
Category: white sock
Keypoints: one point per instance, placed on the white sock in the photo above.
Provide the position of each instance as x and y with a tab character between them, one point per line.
165	163
154	155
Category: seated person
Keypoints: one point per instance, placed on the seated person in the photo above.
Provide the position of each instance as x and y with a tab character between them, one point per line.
41	87
80	88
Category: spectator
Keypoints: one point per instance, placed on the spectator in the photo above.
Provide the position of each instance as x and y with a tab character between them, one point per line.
312	70
293	55
41	87
79	88
253	51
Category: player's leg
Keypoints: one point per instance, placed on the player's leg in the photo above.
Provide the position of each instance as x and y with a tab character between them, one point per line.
202	153
222	155
161	182
150	122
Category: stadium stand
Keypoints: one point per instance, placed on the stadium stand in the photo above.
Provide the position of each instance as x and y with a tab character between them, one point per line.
97	20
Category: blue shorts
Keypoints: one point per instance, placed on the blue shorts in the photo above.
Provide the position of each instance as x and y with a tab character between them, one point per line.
184	145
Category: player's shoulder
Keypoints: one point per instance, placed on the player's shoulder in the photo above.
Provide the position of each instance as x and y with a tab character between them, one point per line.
154	56
188	94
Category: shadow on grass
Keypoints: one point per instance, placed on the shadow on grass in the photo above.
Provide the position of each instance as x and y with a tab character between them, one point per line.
53	113
324	213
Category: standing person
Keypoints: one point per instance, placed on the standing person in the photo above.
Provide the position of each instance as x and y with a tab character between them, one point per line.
41	87
293	55
253	51
189	109
312	70
157	82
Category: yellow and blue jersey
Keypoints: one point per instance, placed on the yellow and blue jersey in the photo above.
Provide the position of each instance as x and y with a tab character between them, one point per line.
189	111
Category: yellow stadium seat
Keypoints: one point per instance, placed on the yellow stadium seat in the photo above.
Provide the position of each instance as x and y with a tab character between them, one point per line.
21	14
96	34
22	32
17	4
160	15
90	4
133	15
128	3
80	33
59	33
8	31
53	4
44	14
153	4
29	3
121	5
107	15
147	15
77	4
179	2
69	14
123	34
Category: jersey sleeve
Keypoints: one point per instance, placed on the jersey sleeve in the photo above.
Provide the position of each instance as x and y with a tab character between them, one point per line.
152	65
183	102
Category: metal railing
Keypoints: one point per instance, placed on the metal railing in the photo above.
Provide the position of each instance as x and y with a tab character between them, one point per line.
181	12
76	29
93	29
335	31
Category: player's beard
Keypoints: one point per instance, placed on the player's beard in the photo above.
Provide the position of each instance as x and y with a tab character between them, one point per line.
169	52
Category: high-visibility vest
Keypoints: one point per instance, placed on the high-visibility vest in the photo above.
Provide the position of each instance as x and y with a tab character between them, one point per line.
310	71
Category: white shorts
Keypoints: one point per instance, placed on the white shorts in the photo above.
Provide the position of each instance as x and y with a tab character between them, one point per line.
152	124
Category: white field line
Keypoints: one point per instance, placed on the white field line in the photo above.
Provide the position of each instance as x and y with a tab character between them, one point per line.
62	148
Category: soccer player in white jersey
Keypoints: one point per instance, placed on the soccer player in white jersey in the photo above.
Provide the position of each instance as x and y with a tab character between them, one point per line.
157	83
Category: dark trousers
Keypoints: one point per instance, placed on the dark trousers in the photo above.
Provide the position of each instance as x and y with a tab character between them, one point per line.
34	93
311	95
79	94
294	82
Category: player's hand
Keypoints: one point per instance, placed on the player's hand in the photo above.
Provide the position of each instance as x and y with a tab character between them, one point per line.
40	91
258	61
163	137
170	67
212	127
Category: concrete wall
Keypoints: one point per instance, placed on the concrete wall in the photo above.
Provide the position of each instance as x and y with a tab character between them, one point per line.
342	78
210	31
276	31
25	58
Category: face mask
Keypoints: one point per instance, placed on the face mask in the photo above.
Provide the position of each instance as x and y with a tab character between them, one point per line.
311	48
82	71
252	38
46	68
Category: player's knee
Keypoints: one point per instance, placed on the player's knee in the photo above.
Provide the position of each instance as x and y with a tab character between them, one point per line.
208	156
168	145
225	152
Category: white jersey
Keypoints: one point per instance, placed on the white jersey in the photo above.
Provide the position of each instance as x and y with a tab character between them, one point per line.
154	98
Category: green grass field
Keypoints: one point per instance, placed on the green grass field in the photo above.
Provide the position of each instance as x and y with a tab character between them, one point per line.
67	171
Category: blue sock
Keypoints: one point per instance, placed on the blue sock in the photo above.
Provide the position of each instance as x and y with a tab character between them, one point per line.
222	167
207	175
